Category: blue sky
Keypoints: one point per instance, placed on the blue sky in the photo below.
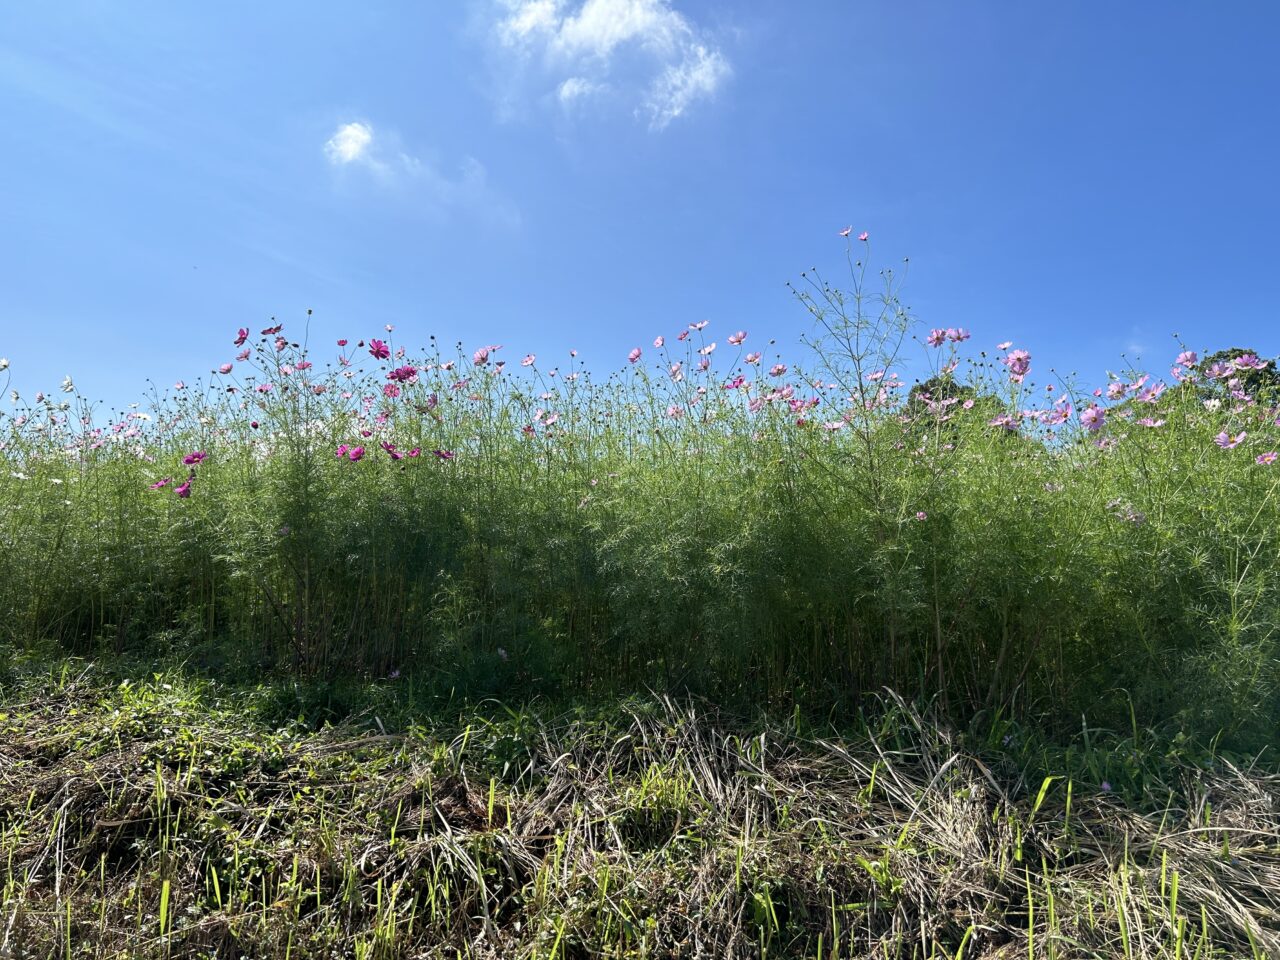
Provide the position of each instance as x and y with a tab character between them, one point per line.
1082	179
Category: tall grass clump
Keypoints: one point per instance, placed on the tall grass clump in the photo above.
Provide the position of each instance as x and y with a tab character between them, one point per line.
712	517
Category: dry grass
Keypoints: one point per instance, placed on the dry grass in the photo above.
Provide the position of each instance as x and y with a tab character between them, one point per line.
157	820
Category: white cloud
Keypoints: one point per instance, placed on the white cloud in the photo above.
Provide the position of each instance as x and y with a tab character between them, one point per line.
680	84
644	47
575	89
349	143
407	177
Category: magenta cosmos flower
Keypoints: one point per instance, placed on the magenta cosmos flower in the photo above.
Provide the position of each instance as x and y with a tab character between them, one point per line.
443	454
379	350
184	491
241	336
191	459
161	484
355	453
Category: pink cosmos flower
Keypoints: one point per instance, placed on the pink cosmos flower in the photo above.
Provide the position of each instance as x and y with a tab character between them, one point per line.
241	336
846	231
634	355
415	452
1151	394
1228	442
1266	459
777	370
675	412
1217	371
735	339
184	491
161	484
683	335
392	451
341	451
443	454
1187	358
968	404
1248	361
708	349
658	341
281	343
1148	422
243	355
342	343
1005	420
1018	362
480	357
863	236
753	358
1093	418
921	515
735	383
191	459
700	325
379	350
957	334
272	331
1004	346
355	453
936	338
1116	390
528	360
391	391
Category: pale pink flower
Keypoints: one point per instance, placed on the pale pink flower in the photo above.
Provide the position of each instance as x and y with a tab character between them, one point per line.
1004	346
1228	442
1093	418
1266	459
777	370
634	355
863	236
753	358
658	341
846	231
936	338
735	339
528	360
708	349
1187	358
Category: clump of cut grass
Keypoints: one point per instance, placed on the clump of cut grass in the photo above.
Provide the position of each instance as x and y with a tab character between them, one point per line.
164	818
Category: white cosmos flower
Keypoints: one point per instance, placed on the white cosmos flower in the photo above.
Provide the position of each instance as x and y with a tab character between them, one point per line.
67	385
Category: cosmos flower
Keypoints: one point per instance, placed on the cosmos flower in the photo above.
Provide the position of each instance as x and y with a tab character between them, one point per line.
1093	418
379	350
1228	442
634	355
735	339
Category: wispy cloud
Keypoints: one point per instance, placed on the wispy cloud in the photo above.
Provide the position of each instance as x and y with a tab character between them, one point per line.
643	51
356	144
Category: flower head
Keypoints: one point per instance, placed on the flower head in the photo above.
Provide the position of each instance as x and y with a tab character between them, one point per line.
379	350
1093	418
1187	358
1228	442
735	339
241	336
1268	458
936	338
634	355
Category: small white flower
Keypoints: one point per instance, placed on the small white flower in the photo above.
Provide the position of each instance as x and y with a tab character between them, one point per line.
1212	405
4	363
55	480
